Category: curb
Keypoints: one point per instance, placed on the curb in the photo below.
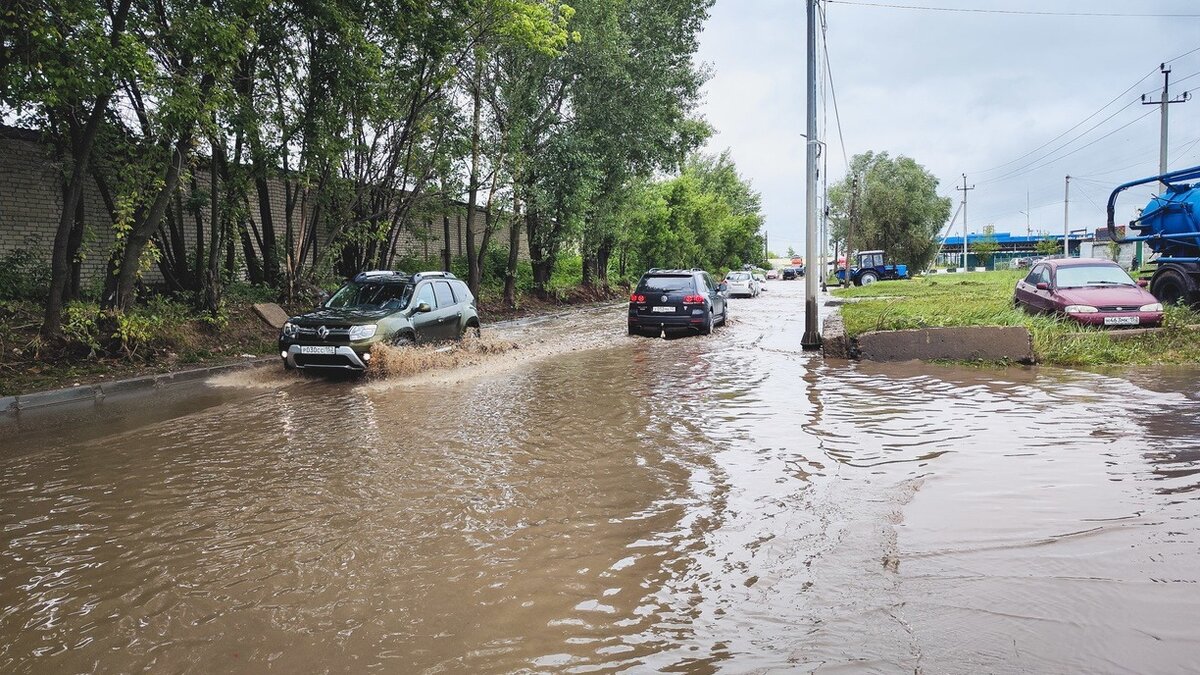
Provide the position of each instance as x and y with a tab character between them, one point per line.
13	405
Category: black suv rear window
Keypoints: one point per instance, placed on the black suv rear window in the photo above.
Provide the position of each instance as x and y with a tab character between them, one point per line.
667	285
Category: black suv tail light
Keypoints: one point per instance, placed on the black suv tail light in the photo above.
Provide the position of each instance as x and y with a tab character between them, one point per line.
637	298
693	299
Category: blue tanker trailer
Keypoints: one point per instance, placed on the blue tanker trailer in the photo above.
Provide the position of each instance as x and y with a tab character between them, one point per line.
1170	226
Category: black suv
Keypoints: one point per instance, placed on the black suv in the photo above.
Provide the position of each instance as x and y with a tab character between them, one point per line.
676	300
788	273
374	307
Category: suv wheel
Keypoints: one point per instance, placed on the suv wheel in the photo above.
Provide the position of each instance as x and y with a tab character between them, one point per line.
707	328
404	340
473	330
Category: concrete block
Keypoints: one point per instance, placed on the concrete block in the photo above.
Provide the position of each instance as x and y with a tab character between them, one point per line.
272	313
834	344
967	343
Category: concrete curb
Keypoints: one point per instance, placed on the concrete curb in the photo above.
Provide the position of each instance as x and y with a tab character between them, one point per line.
966	343
94	393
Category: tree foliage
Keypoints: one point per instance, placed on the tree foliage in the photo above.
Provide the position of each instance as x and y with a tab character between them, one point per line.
897	208
379	118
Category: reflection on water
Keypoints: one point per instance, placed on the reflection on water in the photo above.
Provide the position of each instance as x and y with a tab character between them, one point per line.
604	503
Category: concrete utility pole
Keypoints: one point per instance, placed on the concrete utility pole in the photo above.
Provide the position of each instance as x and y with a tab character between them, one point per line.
964	189
846	281
1163	102
812	333
1066	226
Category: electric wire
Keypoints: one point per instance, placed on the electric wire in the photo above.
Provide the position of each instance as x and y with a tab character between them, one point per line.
1030	168
1014	12
832	90
1076	126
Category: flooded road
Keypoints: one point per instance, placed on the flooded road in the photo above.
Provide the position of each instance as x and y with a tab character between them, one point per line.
595	502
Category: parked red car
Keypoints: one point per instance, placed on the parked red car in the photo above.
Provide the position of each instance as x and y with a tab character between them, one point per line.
1091	291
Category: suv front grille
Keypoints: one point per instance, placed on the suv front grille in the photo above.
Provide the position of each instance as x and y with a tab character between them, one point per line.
338	335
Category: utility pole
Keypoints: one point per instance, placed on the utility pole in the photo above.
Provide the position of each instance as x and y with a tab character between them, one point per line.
846	281
1028	231
812	333
1066	226
1163	102
964	189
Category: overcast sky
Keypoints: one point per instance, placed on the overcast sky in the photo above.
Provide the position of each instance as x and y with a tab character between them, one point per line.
958	92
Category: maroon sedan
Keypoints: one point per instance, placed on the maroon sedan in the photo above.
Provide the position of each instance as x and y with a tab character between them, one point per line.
1091	291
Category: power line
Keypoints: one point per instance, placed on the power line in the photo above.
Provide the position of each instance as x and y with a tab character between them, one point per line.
832	91
1078	124
1030	169
1013	12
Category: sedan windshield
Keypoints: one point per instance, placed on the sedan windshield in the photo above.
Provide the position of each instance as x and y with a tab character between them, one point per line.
1082	276
370	296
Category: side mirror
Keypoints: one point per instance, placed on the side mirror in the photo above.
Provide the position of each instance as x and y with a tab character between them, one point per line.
723	287
423	307
1043	286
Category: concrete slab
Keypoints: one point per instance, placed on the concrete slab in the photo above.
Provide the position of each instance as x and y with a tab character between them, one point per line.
272	313
968	343
834	344
58	396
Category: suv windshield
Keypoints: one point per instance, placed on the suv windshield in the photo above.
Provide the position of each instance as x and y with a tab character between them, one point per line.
1079	276
666	285
371	296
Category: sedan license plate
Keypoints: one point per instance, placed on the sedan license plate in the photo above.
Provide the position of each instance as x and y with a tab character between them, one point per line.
1122	320
317	349
663	310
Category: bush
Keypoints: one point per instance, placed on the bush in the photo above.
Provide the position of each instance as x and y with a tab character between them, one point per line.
25	273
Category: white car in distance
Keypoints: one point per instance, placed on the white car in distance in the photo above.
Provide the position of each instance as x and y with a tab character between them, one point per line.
741	283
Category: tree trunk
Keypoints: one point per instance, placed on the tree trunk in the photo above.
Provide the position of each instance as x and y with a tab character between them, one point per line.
124	276
474	257
82	142
446	257
514	253
74	242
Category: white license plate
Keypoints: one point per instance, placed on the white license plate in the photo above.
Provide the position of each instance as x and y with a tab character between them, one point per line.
1122	320
663	310
317	349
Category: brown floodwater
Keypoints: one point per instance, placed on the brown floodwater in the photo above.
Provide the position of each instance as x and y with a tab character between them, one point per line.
590	502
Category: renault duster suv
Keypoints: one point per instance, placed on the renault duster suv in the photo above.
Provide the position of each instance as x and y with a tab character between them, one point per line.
374	307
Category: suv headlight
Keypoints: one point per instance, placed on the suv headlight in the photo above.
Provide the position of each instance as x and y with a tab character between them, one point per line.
1080	309
1152	307
362	332
290	330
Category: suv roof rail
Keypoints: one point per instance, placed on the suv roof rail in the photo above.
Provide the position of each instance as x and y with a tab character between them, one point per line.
427	275
376	274
664	270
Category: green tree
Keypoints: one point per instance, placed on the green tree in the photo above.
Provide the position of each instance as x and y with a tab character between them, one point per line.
987	247
1048	246
898	208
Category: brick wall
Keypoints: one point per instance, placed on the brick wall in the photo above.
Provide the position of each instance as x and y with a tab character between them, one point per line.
31	202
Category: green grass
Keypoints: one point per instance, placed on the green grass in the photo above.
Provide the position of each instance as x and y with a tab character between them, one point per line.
985	299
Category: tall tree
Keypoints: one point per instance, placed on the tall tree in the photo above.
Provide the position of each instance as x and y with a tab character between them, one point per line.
60	70
898	210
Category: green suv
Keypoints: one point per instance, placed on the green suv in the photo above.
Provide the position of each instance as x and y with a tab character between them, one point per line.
389	307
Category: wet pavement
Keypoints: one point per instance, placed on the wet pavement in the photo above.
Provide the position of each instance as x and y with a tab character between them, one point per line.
596	502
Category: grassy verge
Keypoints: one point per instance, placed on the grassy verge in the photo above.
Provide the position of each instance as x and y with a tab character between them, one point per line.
985	299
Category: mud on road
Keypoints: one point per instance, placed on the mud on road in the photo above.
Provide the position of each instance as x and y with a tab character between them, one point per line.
560	497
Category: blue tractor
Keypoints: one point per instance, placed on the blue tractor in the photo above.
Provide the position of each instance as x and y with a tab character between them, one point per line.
871	268
1170	226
